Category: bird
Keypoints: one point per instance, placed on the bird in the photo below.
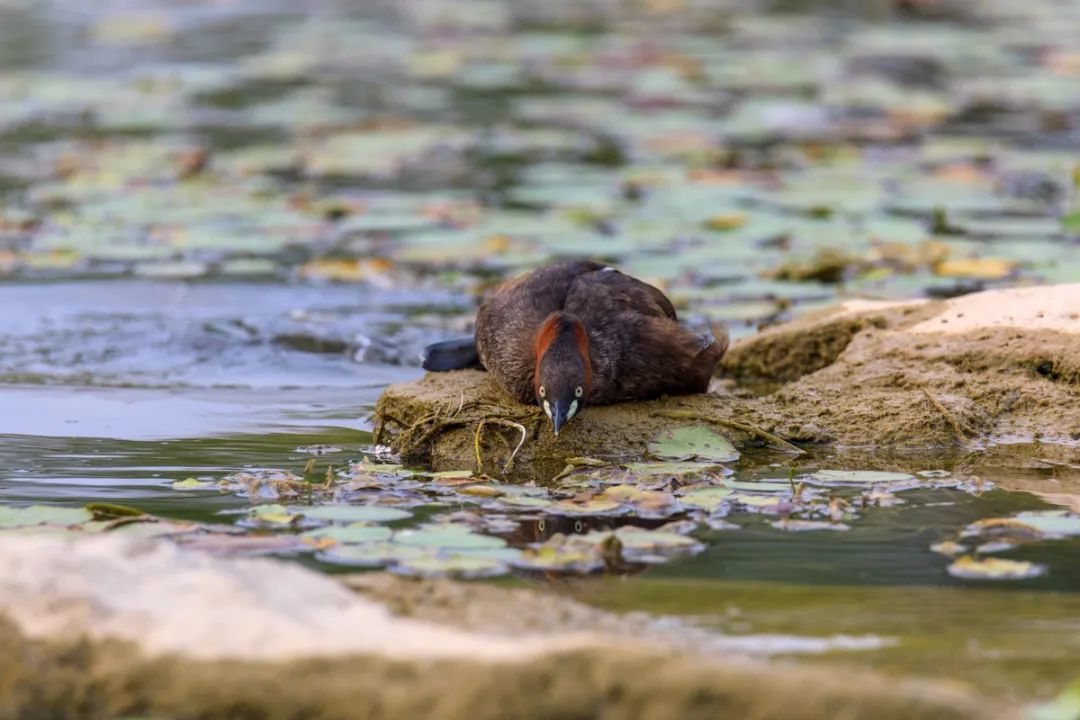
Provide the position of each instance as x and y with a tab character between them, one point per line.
577	333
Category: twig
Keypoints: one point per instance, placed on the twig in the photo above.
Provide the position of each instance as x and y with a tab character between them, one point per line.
768	437
957	428
498	421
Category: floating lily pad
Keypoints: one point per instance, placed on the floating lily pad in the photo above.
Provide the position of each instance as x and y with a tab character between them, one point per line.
351	513
192	484
455	565
687	442
858	477
670	469
794	525
706	498
352	533
971	568
12	517
1057	523
449	537
369	554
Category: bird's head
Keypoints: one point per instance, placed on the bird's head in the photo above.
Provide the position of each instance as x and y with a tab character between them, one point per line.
563	370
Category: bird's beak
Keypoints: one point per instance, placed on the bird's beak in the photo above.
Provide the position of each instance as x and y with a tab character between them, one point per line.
559	416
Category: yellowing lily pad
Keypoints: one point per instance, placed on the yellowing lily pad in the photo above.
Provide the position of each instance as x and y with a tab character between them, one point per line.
688	442
192	484
706	498
972	568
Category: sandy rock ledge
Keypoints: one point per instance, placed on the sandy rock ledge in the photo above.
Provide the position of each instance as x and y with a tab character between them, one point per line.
1001	365
106	627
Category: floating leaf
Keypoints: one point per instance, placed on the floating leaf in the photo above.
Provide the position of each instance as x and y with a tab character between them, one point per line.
793	525
706	498
449	537
352	513
456	565
971	568
687	442
12	517
192	484
857	477
352	533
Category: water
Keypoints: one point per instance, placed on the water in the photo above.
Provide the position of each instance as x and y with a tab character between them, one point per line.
155	328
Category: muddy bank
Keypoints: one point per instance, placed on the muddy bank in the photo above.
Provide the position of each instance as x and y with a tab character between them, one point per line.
1001	365
137	654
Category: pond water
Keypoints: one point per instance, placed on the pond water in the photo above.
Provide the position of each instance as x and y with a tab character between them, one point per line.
226	227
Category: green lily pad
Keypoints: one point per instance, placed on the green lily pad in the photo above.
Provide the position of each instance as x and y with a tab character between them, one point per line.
688	442
458	565
11	517
352	513
354	533
760	486
1052	522
448	537
595	506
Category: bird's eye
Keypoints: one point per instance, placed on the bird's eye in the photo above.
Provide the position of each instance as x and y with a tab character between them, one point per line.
543	391
579	391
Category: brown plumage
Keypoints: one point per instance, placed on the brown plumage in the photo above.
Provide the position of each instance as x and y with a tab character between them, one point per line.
580	332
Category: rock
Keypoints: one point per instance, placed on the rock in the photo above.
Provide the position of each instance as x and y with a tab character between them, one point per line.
109	626
996	365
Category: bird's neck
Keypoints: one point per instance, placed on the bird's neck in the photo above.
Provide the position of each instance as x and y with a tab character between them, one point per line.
563	336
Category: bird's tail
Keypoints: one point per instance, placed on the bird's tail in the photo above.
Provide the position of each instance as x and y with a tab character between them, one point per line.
456	354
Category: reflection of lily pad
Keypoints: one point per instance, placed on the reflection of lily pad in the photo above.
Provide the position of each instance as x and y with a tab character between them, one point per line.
692	442
971	568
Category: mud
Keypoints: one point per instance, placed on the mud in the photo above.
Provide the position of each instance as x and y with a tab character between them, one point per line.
997	366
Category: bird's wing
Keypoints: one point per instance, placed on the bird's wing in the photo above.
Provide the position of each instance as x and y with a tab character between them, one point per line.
620	292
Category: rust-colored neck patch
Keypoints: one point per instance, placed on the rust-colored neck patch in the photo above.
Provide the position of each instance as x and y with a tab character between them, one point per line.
561	330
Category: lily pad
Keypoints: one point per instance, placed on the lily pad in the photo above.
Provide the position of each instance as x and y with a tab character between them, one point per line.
351	513
794	525
687	442
857	477
448	537
708	498
353	533
11	517
457	566
971	568
373	554
192	484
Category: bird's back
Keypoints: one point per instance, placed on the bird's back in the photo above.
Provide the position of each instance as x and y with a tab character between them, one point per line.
637	348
